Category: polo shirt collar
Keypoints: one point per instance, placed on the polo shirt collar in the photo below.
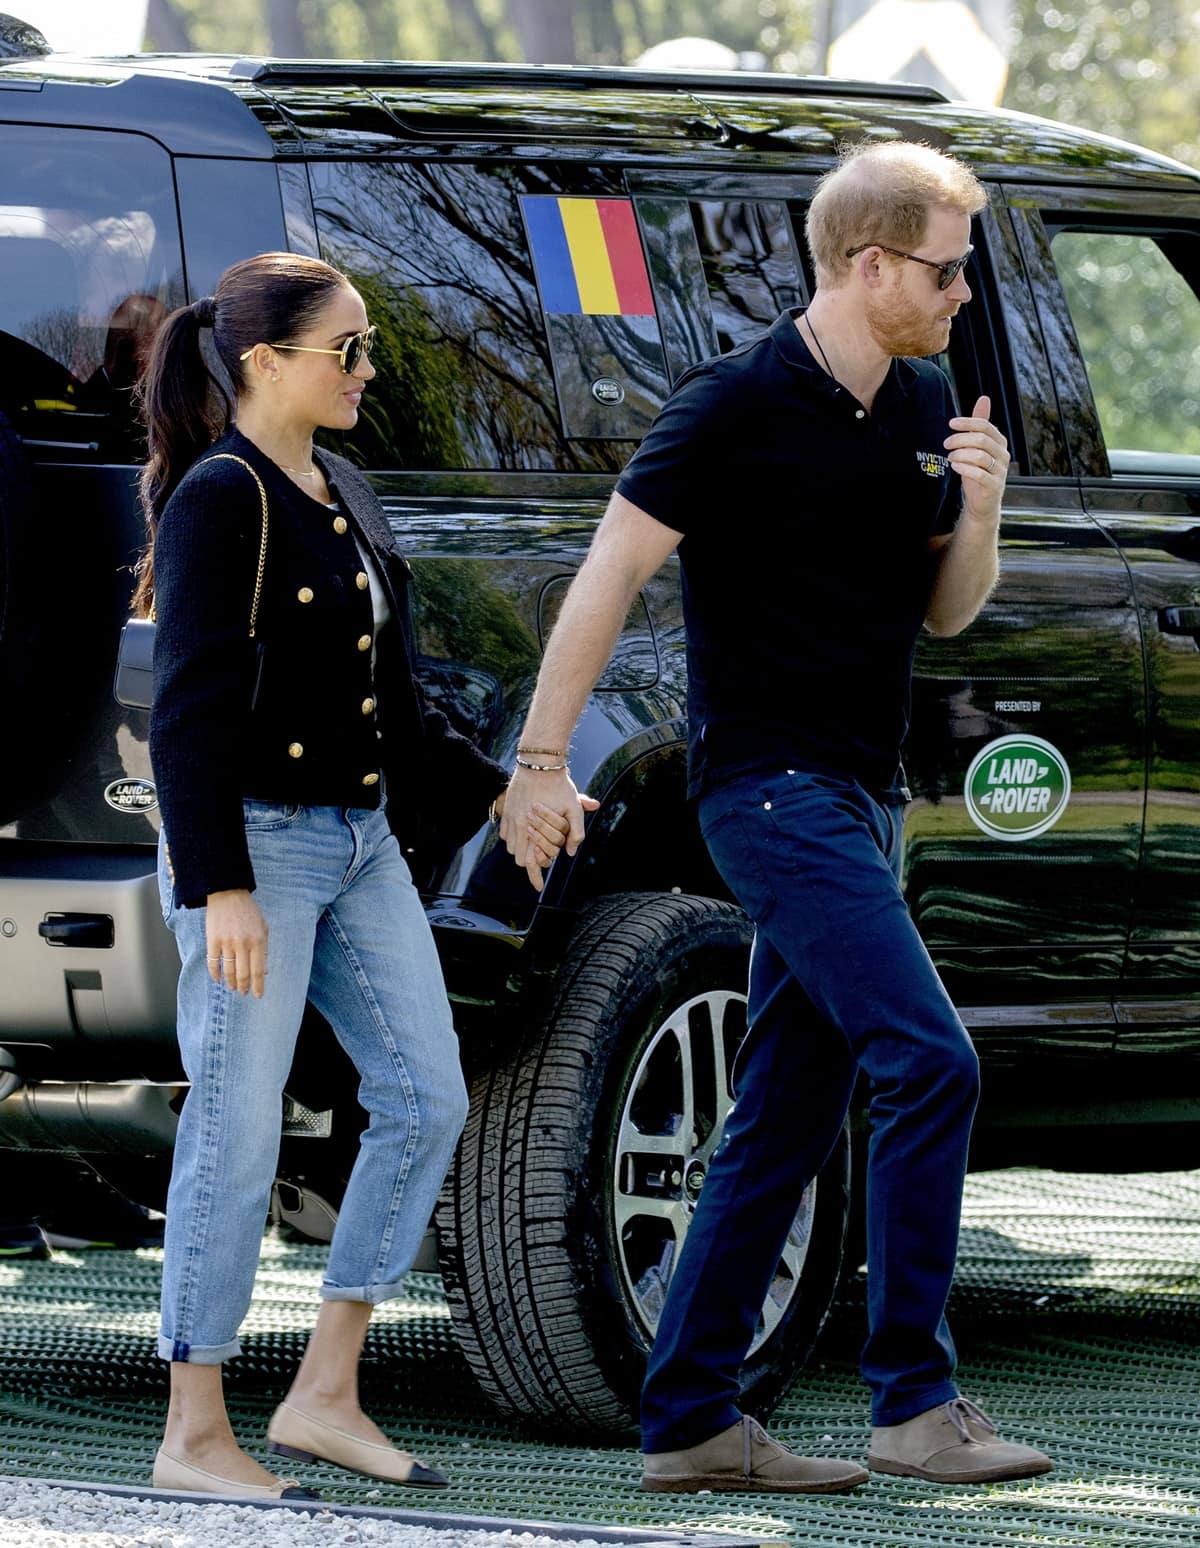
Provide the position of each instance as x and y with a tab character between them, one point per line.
901	378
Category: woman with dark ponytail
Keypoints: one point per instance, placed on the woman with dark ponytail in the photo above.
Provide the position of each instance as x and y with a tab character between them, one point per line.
280	875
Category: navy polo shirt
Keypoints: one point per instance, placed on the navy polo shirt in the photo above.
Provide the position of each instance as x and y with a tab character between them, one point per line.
805	554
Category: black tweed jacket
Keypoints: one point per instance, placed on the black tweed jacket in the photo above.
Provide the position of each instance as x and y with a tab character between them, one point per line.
327	728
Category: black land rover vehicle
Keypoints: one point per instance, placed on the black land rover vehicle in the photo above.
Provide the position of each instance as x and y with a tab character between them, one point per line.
1053	842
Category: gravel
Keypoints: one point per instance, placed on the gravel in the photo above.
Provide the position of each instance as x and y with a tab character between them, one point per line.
37	1515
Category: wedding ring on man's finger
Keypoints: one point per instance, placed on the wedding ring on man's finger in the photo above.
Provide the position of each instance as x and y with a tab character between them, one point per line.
992	463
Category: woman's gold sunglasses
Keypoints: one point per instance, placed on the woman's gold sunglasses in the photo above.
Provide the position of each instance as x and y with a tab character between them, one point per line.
351	352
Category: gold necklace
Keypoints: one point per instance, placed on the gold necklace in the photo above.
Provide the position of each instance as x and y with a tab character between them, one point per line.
299	472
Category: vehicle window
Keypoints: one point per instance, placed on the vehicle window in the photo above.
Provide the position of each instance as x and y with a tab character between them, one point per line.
230	210
723	271
89	266
1134	299
749	264
483	362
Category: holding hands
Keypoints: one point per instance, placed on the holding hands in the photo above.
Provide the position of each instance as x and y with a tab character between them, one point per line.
237	933
540	812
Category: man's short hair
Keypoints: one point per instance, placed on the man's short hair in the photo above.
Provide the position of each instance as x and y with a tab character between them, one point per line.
884	193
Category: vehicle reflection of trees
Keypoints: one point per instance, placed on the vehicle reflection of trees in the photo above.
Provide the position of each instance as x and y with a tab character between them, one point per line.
462	616
413	404
1071	389
1057	614
628	348
470	698
603	117
1041	430
450	240
783	124
749	264
683	316
1172	681
110	390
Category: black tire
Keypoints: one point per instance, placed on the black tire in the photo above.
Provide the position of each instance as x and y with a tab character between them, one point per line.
554	1304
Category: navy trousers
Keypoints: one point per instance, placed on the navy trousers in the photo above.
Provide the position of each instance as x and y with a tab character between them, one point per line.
839	981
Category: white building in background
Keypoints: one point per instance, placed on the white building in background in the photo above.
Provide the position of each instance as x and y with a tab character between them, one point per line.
689	53
959	46
86	26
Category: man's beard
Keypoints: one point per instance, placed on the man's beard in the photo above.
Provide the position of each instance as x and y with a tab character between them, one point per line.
899	327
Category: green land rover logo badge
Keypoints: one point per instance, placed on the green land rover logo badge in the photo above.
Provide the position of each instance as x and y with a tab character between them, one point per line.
1017	787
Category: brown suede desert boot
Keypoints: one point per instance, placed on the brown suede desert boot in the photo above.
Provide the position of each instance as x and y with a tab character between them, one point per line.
954	1443
744	1459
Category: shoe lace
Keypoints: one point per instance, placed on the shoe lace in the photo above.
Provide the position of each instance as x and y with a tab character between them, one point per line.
752	1431
961	1411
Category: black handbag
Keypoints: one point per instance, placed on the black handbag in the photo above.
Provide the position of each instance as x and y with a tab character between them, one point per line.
133	681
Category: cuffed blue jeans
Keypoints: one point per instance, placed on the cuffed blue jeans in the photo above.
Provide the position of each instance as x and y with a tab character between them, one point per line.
839	981
346	930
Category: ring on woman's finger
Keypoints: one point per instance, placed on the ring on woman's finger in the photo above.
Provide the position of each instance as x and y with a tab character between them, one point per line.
992	463
212	959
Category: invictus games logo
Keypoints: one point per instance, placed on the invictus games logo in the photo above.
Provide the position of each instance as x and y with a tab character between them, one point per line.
933	464
1017	787
131	795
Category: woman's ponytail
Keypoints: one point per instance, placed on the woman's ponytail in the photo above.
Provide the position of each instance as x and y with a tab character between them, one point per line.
185	409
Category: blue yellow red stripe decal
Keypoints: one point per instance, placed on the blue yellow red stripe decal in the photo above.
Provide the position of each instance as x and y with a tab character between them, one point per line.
588	256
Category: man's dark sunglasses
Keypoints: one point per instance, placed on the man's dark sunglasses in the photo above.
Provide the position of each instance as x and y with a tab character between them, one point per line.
947	272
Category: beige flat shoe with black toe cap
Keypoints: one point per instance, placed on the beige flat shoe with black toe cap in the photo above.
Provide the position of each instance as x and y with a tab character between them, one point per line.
293	1433
174	1473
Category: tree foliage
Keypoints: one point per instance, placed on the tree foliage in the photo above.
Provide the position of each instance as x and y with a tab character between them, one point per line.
1128	70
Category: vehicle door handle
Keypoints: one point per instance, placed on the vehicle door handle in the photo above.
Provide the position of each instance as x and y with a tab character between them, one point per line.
1179	620
77	930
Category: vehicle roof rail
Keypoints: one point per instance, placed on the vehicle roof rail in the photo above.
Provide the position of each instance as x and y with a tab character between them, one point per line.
281	72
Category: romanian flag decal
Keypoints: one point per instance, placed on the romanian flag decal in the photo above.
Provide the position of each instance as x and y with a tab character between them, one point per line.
588	257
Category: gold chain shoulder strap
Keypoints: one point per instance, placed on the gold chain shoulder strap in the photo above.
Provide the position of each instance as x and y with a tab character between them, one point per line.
262	547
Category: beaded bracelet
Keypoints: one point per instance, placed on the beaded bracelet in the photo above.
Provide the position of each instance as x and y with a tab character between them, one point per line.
545	752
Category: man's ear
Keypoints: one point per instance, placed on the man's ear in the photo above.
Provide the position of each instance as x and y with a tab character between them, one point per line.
869	267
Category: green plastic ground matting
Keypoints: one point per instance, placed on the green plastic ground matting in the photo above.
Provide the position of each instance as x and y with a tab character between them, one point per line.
1076	1313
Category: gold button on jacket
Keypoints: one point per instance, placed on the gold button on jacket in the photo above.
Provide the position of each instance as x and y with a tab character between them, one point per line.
340	524
367	706
309	742
370	779
361	581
